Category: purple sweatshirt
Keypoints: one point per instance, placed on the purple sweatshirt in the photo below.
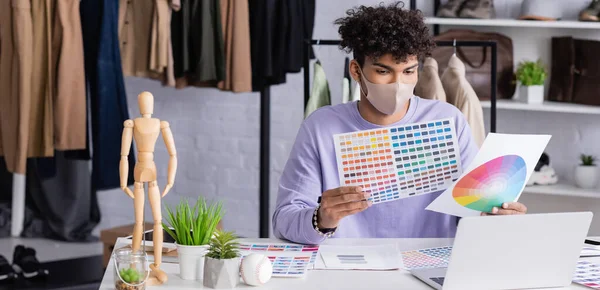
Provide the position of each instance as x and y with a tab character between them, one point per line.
312	169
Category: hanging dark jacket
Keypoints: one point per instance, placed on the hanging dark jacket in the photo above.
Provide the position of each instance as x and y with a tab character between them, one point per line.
106	89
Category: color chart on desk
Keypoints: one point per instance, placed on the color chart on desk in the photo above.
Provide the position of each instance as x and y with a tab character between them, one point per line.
399	162
288	260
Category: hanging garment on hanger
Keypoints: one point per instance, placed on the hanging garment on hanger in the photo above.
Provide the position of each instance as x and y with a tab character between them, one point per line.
65	206
236	37
70	102
106	88
180	26
207	53
429	85
346	81
8	99
277	31
319	95
41	129
460	93
301	15
135	27
160	37
23	48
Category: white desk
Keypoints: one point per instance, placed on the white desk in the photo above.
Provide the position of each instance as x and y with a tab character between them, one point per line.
320	279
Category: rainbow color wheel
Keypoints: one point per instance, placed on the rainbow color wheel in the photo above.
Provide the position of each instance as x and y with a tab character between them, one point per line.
492	183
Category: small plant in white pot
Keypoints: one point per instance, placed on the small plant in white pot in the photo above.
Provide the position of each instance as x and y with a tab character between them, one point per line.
222	264
586	174
531	76
192	229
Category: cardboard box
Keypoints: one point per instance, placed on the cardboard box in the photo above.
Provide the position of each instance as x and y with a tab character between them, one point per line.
109	237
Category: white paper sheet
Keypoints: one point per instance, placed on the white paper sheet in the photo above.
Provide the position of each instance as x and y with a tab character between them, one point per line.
590	251
503	164
380	257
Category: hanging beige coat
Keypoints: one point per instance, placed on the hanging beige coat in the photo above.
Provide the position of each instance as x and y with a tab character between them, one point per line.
8	115
429	85
41	130
235	22
145	38
70	104
20	98
460	93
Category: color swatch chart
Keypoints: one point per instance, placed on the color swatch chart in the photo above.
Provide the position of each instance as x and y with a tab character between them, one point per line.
400	162
587	274
426	258
289	260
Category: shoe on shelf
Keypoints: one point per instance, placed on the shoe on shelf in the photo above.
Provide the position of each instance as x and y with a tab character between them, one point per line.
7	273
480	9
546	176
591	12
26	263
543	174
450	9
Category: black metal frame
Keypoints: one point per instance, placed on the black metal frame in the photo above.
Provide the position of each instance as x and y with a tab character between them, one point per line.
309	43
265	169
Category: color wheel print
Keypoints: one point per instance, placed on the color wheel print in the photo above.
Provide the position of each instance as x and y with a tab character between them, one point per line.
491	184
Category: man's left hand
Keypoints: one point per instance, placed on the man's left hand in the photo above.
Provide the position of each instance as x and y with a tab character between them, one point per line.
508	208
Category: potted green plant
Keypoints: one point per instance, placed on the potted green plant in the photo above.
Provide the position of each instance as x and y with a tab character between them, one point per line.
586	174
531	76
222	263
192	228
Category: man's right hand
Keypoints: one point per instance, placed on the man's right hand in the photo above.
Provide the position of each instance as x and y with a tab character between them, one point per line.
341	202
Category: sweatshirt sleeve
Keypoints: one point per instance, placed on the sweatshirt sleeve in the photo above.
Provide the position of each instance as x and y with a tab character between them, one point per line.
467	143
299	188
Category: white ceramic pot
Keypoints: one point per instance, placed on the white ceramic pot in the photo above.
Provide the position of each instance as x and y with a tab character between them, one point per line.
220	274
586	176
191	261
531	94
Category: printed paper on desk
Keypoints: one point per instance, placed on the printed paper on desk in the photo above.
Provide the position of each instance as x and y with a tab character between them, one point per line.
497	174
381	257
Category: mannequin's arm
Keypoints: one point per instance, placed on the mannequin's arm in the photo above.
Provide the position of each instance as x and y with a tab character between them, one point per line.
170	143
125	147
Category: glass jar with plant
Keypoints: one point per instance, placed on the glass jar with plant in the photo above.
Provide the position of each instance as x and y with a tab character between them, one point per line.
192	228
531	76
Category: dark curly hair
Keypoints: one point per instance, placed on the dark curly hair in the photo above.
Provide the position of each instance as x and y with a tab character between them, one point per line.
376	31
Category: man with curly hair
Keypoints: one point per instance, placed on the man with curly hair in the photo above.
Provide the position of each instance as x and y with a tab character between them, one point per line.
387	43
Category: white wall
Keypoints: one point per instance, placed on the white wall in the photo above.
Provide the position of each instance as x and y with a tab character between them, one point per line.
217	133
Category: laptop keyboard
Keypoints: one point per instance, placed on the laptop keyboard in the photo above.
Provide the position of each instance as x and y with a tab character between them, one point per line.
439	280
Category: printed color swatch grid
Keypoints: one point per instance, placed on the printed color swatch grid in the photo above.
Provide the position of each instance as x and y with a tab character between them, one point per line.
426	258
288	260
587	274
400	162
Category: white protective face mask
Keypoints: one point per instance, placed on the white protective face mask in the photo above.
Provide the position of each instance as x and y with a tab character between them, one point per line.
388	98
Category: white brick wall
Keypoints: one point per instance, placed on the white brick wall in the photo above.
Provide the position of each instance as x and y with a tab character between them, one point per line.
217	133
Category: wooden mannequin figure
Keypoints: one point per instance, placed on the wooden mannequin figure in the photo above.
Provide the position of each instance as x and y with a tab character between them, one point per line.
145	131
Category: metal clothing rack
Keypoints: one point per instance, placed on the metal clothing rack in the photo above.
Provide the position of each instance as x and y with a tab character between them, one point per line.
309	43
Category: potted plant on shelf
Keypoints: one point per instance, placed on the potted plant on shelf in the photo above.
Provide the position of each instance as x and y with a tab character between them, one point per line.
222	263
531	76
586	174
192	229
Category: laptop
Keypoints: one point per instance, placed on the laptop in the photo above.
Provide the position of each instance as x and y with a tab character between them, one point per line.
512	252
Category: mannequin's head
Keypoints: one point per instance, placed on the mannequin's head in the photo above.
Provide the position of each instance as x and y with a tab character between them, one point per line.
146	103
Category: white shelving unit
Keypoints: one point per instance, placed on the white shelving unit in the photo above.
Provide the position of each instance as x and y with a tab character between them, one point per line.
567	24
547	106
562	190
